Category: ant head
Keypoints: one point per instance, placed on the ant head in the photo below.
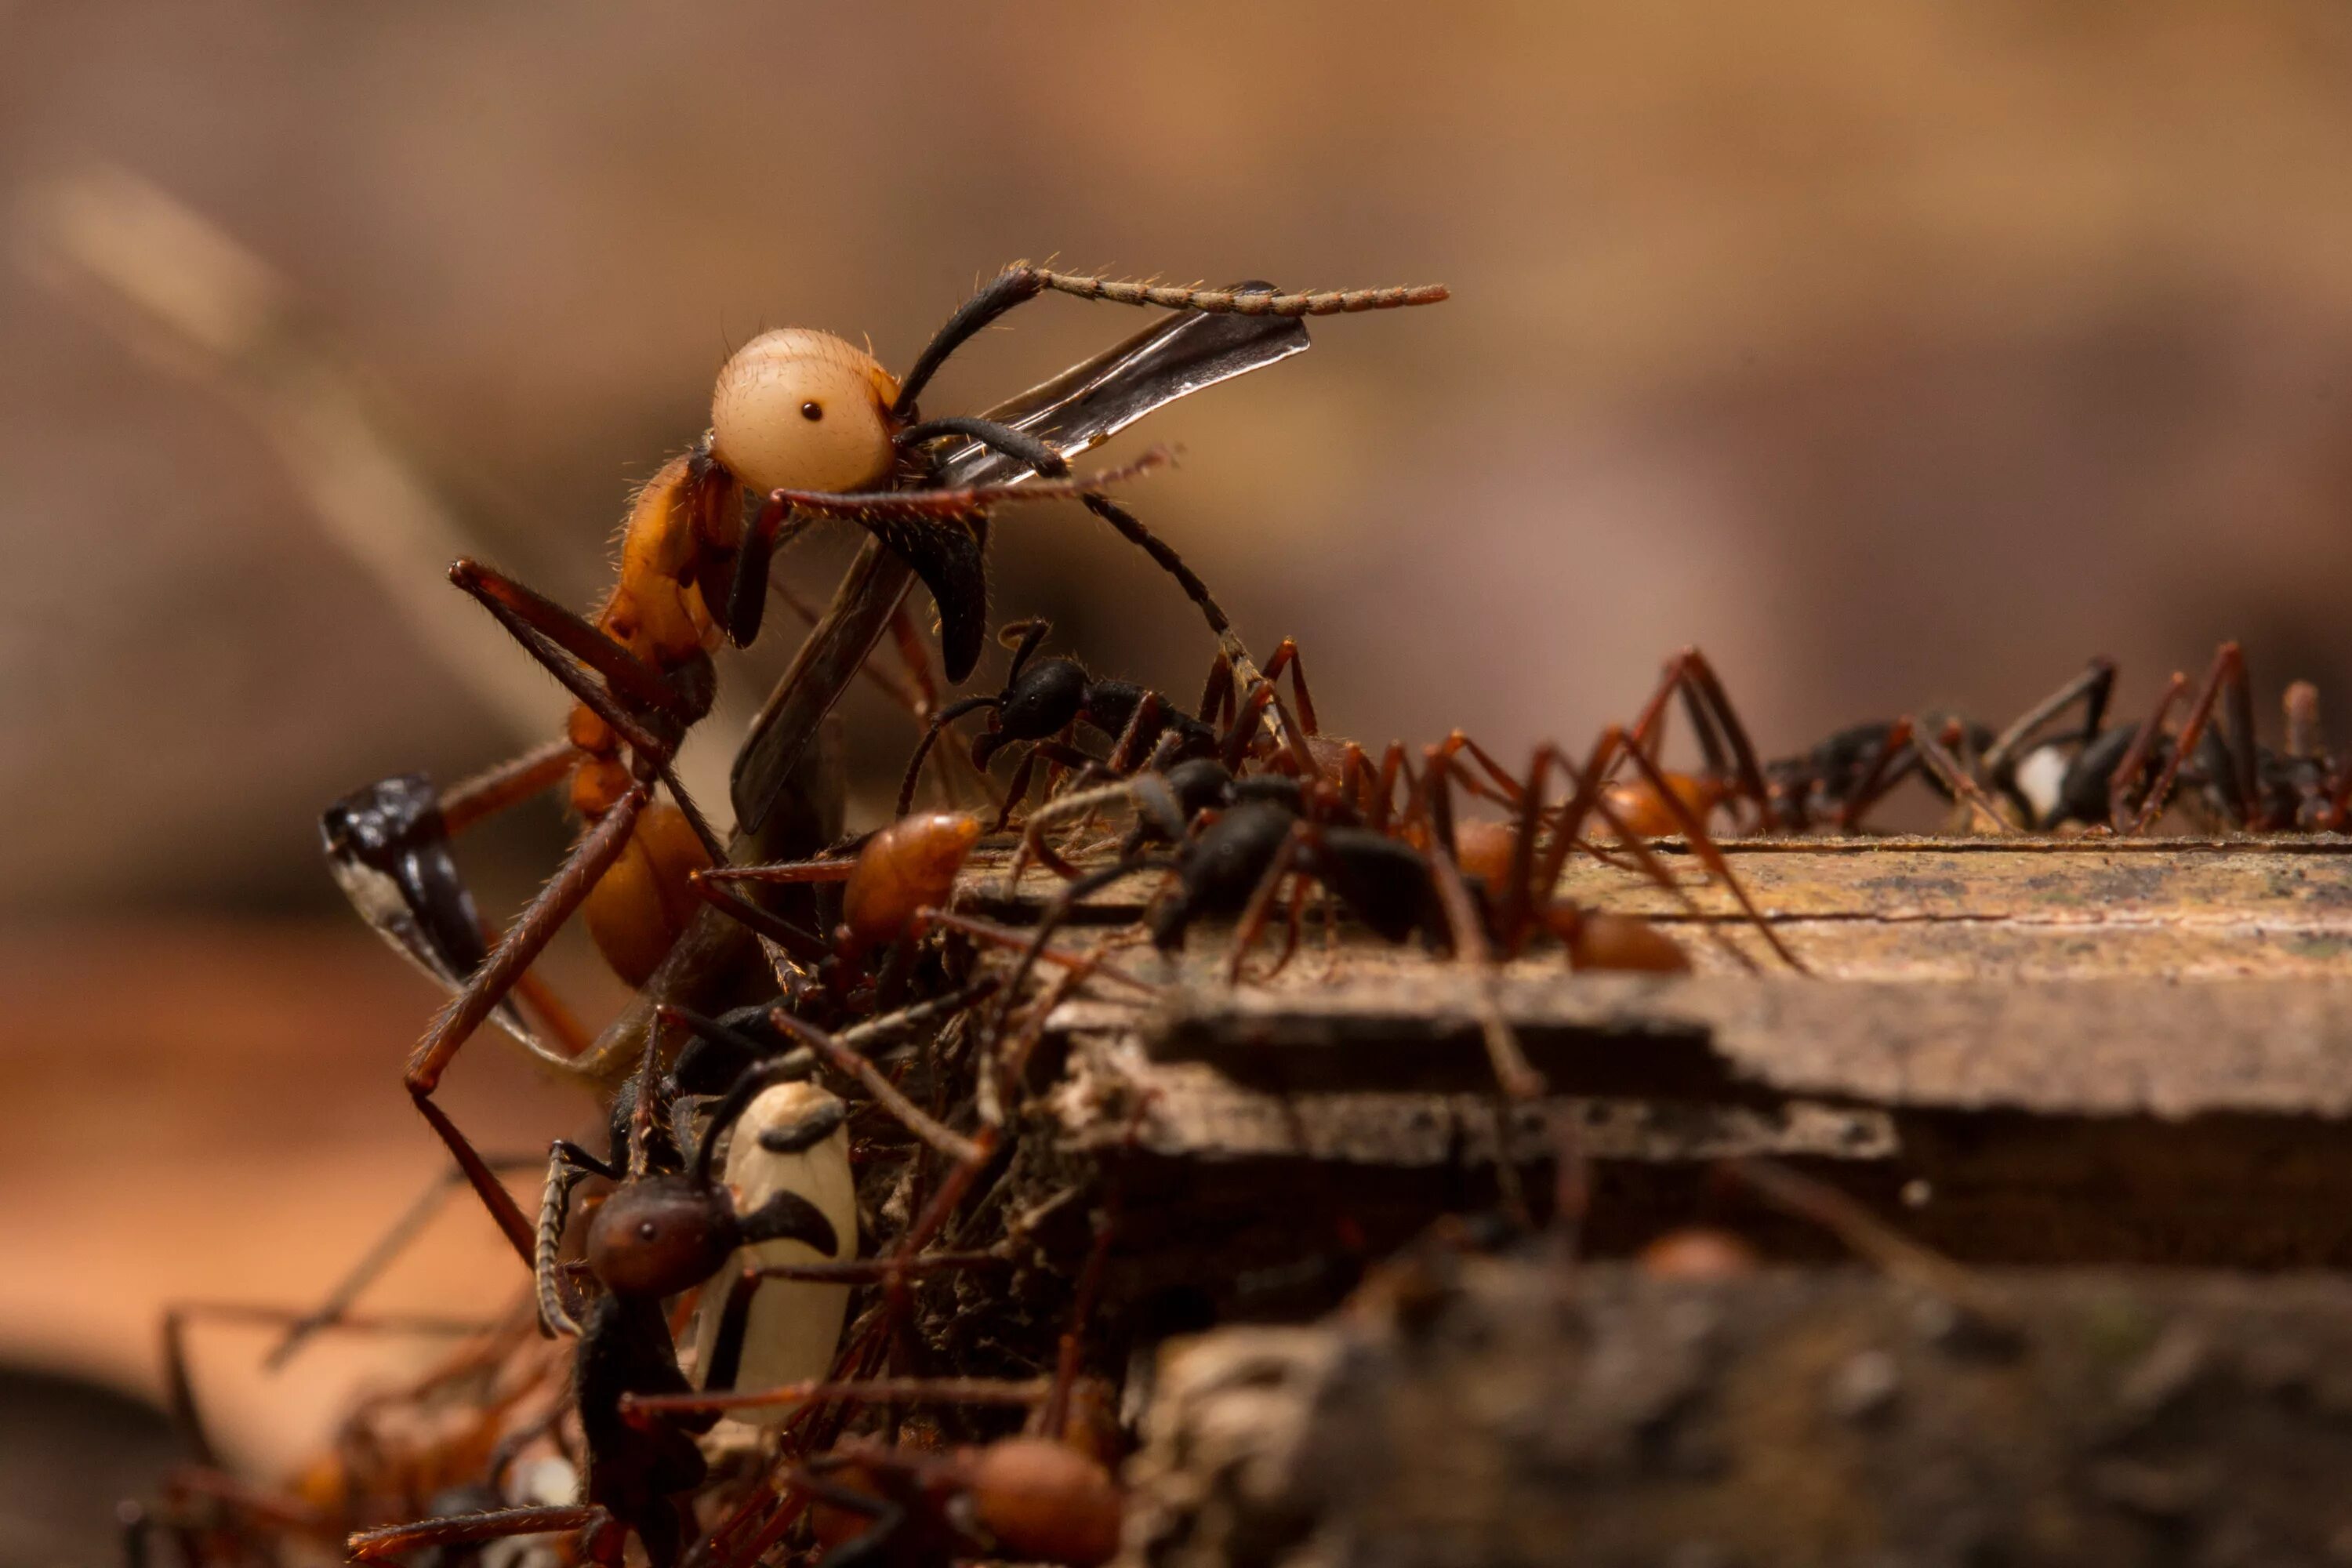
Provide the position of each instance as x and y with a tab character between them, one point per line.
1042	700
802	410
660	1234
1200	783
1042	1502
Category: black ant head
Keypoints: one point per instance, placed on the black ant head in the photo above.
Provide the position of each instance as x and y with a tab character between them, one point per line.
1042	701
1199	784
660	1234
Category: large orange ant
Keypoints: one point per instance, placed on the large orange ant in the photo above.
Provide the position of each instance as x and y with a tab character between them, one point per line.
819	429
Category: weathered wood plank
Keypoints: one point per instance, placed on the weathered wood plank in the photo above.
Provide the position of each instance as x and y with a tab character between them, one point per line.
1505	1413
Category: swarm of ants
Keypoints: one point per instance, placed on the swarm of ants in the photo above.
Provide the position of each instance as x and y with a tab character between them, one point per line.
816	1286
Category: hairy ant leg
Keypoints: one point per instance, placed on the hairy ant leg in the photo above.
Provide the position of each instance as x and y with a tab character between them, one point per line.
394	1542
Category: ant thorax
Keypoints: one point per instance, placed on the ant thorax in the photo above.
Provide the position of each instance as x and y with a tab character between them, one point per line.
794	1326
2041	781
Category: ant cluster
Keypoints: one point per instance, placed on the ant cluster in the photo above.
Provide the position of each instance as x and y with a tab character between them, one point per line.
807	1287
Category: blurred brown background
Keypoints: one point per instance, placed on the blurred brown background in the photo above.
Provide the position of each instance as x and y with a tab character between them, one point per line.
1899	356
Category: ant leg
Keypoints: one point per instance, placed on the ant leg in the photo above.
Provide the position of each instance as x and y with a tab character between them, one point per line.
1499	787
1255	913
630	678
2092	688
1218	695
487	1186
1701	677
1936	754
1695	835
395	1240
657	750
395	1541
1014	286
2304	740
954	1145
2228	667
945	716
567	1165
1043	459
958	504
1881	777
2135	756
1244	300
533	930
1286	656
876	1390
1466	932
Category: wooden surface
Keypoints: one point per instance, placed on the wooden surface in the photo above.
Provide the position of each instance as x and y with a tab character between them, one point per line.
1503	1412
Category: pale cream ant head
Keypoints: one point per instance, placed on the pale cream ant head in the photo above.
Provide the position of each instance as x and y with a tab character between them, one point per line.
802	410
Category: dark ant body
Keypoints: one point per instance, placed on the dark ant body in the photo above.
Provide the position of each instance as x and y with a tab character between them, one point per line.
668	1225
1044	698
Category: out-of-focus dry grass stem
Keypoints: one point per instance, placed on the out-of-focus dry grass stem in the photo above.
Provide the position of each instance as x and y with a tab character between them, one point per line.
181	292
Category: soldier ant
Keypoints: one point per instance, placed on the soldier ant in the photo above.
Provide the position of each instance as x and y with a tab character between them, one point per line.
814	425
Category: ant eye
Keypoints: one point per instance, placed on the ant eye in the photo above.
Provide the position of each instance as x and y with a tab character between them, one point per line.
647	1230
812	410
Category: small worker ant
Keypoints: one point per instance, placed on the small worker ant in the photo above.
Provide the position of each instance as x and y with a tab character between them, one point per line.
1042	700
2239	782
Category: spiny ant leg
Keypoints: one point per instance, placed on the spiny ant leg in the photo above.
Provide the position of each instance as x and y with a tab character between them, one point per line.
508	784
568	1164
2228	669
653	748
484	1180
533	930
804	947
955	504
466	1528
1014	286
1701	677
1287	657
954	1145
630	678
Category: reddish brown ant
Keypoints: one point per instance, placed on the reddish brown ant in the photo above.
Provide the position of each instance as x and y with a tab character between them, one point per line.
813	425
